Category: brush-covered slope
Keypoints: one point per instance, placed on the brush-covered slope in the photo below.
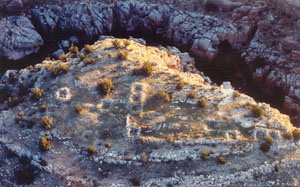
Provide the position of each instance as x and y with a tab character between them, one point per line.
121	113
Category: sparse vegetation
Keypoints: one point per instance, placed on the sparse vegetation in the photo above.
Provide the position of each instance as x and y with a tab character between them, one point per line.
276	167
59	69
78	109
105	86
191	95
222	160
144	157
63	57
265	147
160	97
202	103
82	56
146	70
123	54
170	138
127	43
44	143
47	122
118	43
204	155
257	111
179	85
30	68
73	49
88	48
37	93
169	53
89	61
44	108
236	94
12	101
91	150
108	144
296	134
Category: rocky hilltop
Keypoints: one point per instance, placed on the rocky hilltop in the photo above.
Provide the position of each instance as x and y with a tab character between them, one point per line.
264	33
119	113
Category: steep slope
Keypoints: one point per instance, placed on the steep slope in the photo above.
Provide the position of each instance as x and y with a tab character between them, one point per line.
121	113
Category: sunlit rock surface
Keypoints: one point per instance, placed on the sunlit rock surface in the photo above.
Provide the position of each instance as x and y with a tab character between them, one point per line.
138	140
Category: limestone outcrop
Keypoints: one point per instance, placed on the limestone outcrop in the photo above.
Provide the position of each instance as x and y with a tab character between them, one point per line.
18	38
88	119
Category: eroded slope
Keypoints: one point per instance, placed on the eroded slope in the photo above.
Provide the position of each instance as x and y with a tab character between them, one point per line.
153	126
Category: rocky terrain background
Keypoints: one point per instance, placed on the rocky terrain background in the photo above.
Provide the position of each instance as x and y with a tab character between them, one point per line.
155	126
263	36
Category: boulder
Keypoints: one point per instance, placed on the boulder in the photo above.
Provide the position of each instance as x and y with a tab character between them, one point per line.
15	6
57	53
18	38
204	48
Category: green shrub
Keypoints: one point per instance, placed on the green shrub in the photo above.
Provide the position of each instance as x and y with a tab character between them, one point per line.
59	69
44	144
89	61
170	138
236	94
127	43
222	160
88	48
44	108
108	144
118	43
123	54
82	56
296	134
202	103
265	147
37	93
63	57
179	85
144	157
78	109
47	122
105	86
30	68
161	96
192	95
257	111
91	150
73	49
276	167
146	70
204	155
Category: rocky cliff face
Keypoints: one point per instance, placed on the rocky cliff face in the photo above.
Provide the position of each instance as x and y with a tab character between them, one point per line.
119	113
262	30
